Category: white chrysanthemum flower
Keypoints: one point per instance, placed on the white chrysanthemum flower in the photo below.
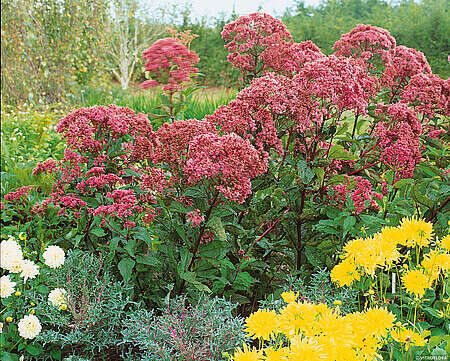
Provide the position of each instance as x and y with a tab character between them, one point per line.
57	297
29	326
29	270
6	286
54	256
10	255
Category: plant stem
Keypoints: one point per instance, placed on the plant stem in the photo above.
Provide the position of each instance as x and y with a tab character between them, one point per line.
299	230
354	125
197	243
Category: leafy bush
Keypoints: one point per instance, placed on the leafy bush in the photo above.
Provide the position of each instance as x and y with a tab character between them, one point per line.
406	270
28	137
24	286
95	309
205	330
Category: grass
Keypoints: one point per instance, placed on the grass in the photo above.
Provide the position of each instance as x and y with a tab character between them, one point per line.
204	102
28	134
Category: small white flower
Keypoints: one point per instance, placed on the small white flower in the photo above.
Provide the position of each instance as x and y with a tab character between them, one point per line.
54	256
29	270
1	327
6	286
57	297
29	326
10	255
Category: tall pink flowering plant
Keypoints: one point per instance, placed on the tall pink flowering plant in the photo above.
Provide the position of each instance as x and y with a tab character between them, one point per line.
313	149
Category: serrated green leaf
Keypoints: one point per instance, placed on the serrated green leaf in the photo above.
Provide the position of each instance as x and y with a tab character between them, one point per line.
216	224
126	266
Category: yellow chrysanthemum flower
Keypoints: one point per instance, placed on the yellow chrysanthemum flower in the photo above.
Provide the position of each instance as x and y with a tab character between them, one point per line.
416	282
393	235
445	243
385	246
434	263
417	232
353	248
303	349
280	354
378	321
297	317
345	273
335	333
247	354
262	323
408	337
289	297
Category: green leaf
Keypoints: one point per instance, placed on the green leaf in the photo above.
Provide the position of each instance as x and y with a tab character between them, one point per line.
6	356
131	172
34	349
216	224
56	354
126	266
349	222
148	259
320	173
315	257
304	171
191	277
99	232
434	341
180	231
420	197
337	151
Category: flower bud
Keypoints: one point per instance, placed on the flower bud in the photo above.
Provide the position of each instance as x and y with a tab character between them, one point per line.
63	307
9	319
18	293
337	303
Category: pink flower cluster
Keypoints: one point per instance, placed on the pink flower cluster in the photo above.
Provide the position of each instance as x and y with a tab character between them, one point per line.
342	82
403	63
92	130
322	88
169	63
229	161
429	94
365	41
288	58
18	196
195	218
100	146
398	138
358	190
172	142
47	166
249	37
123	204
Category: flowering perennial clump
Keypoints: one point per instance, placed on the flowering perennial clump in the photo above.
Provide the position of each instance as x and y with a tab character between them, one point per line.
398	137
403	63
249	39
229	161
307	331
169	63
429	94
365	41
382	251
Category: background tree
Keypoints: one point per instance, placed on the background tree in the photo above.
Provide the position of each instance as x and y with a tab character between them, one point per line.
48	45
131	30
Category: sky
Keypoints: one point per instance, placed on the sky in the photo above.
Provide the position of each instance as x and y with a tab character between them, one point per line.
213	7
